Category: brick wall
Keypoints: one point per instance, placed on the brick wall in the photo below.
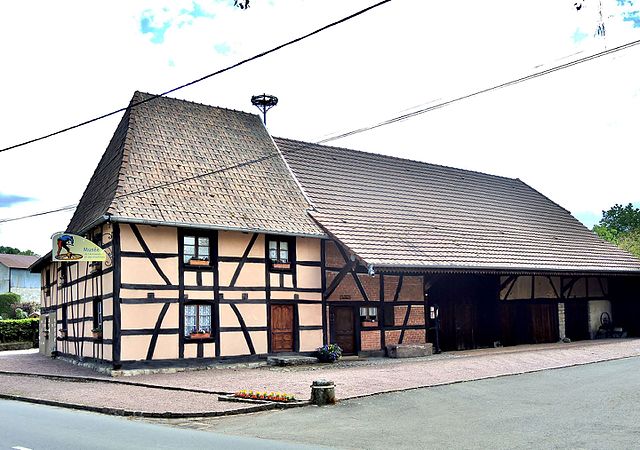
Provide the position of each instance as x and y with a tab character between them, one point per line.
333	257
370	340
348	290
416	315
410	337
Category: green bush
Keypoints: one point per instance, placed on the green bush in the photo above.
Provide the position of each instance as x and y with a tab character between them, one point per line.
8	303
19	330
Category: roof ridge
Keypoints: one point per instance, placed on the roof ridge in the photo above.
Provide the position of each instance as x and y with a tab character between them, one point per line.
383	156
195	103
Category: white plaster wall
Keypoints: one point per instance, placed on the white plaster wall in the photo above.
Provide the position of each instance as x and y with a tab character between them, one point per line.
596	308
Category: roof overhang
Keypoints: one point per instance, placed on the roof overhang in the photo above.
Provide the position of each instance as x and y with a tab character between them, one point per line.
204	226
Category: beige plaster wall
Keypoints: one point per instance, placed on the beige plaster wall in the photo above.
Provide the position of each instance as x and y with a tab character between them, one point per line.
191	280
233	343
136	347
190	350
158	239
307	249
141	270
209	350
252	274
310	315
309	277
254	315
234	243
310	340
200	294
139	293
146	316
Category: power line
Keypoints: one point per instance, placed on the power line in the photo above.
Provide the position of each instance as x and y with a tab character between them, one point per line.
198	80
406	116
352	132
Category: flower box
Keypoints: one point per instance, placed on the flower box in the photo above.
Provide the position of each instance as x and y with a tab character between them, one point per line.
205	335
62	332
265	396
198	262
281	266
97	334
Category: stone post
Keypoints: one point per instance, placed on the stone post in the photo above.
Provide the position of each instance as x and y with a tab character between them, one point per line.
562	331
323	392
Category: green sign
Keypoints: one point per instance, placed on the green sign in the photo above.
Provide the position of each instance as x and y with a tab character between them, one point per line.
71	247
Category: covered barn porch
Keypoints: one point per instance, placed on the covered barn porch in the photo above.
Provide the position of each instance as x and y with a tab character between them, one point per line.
479	310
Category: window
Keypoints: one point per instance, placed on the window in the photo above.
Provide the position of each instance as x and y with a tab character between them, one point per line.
281	253
47	282
64	317
197	320
368	314
97	314
389	316
196	249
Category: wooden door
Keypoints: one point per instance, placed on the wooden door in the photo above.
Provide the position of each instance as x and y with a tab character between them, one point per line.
544	322
281	328
344	330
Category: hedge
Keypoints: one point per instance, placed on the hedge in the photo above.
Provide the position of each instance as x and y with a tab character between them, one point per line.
25	330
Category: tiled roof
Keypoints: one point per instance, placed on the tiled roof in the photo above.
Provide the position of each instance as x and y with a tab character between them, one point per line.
17	261
396	212
166	140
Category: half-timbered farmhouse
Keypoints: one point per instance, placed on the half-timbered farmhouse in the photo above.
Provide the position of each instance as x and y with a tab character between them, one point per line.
224	242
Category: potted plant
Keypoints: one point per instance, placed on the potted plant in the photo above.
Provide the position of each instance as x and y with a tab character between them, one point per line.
329	353
97	333
199	261
63	333
200	334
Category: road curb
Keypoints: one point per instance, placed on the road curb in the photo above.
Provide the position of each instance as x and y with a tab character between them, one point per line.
80	379
147	414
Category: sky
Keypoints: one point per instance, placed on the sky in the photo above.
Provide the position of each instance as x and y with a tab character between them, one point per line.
570	135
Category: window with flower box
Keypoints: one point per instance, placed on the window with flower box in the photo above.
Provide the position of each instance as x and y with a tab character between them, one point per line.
197	321
196	250
281	253
368	314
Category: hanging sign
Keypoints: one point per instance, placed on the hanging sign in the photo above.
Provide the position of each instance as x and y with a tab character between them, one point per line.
71	247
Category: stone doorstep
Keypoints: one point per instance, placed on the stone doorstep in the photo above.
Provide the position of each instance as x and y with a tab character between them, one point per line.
291	360
409	350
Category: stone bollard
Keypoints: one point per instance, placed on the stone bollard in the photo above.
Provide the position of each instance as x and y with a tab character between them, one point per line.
323	392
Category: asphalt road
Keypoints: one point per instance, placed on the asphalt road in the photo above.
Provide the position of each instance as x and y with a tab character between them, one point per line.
591	406
38	427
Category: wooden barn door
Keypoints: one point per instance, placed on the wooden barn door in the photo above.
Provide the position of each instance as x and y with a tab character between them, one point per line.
344	330
544	322
281	328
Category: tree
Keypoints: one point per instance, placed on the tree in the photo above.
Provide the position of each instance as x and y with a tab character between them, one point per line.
8	304
621	225
15	251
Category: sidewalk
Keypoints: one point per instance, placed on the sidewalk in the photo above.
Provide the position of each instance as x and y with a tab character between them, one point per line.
194	393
